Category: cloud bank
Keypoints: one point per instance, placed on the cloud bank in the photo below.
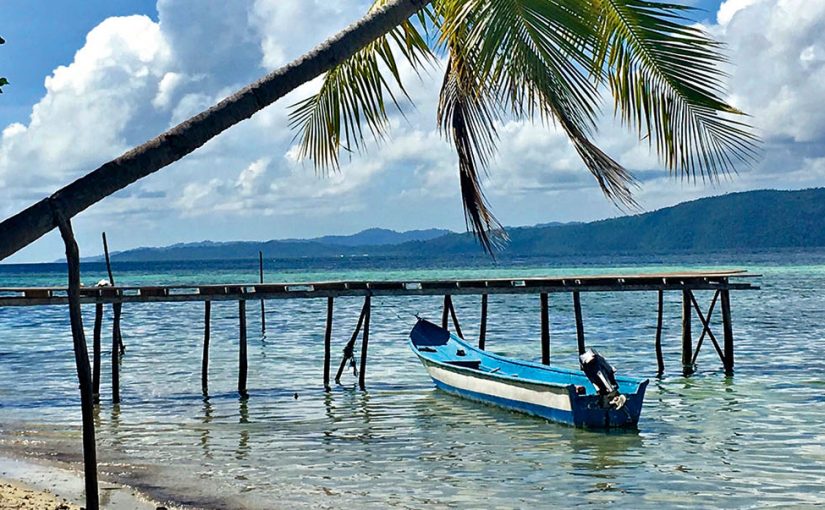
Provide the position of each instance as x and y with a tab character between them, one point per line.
135	77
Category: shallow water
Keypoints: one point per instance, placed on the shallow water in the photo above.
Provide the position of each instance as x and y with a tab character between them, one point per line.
753	440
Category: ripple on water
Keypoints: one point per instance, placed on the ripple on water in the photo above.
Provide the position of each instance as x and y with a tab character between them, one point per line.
751	440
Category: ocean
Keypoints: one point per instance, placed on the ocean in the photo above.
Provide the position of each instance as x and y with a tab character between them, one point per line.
707	440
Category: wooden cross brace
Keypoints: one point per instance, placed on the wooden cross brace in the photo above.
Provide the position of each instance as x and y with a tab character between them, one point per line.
706	331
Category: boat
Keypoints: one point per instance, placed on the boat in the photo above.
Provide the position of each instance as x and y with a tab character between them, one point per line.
591	398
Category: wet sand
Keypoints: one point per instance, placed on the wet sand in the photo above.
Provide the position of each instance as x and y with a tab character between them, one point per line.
27	484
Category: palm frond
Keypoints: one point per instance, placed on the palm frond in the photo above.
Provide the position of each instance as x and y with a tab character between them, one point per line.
538	55
665	79
355	93
467	115
467	119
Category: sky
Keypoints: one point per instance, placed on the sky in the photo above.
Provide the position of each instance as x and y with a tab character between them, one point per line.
90	80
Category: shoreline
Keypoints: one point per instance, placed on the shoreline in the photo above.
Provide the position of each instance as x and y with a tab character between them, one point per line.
38	455
33	483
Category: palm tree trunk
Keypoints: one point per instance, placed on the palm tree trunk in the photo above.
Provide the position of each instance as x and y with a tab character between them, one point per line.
32	223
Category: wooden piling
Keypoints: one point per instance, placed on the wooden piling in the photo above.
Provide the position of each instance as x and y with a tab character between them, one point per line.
96	352
348	348
116	307
687	339
242	361
448	301
545	329
455	320
728	332
482	329
263	307
116	355
365	339
577	308
207	319
328	343
81	353
660	360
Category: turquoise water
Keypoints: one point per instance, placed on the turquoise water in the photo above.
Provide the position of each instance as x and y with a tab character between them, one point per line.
753	440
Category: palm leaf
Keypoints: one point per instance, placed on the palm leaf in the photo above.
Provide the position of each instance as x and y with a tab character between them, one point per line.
537	55
665	79
467	115
356	93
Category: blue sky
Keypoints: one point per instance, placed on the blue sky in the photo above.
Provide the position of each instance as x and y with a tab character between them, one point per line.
90	80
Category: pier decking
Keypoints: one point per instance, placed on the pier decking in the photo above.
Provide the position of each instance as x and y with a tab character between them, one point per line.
721	282
40	296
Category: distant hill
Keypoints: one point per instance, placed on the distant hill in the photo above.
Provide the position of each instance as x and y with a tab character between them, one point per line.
326	246
752	220
378	237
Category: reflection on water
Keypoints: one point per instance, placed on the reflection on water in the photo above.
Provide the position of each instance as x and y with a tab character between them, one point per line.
750	440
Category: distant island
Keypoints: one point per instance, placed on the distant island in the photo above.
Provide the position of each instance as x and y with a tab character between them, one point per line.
752	220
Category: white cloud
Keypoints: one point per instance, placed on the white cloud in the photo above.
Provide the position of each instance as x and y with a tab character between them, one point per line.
82	119
135	77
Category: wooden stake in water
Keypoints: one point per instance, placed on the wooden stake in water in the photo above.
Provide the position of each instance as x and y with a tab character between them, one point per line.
116	307
328	343
482	329
545	329
81	353
263	308
687	338
207	316
577	308
242	362
365	340
96	352
660	360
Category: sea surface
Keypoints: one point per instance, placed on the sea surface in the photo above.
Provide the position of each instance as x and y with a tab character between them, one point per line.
752	440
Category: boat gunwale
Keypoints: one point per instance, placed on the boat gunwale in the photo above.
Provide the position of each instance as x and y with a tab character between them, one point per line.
637	384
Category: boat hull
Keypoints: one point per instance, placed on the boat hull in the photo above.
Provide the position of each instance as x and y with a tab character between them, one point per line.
522	386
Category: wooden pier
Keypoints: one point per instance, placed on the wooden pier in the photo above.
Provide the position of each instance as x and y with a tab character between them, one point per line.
686	283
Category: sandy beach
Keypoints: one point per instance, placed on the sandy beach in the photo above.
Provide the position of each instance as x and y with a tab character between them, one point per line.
14	495
27	484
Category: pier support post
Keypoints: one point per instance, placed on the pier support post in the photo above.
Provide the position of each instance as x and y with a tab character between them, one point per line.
364	343
116	354
482	329
242	362
687	338
328	343
96	352
545	329
454	316
207	319
448	301
263	307
116	307
728	332
81	354
577	308
349	352
660	360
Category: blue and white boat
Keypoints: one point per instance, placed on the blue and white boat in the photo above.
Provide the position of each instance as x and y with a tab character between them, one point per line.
595	399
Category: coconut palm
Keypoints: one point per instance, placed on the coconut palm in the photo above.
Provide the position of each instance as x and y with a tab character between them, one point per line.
543	60
547	60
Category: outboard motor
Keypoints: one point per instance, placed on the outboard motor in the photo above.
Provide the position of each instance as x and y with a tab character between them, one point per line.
603	377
